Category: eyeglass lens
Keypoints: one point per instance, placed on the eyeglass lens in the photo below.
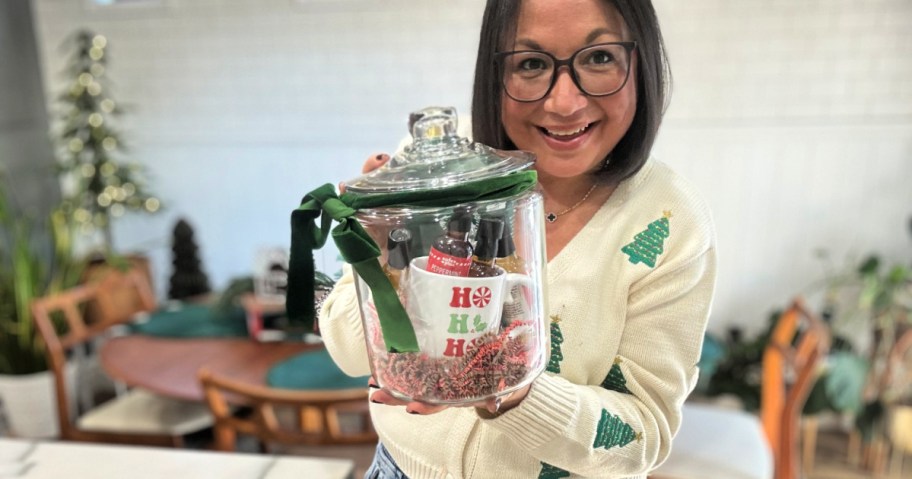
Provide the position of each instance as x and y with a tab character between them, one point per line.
600	70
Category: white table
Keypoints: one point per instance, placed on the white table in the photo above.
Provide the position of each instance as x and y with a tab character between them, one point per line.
63	460
718	443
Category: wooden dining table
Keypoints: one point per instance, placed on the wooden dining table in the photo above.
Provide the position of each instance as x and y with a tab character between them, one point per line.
169	366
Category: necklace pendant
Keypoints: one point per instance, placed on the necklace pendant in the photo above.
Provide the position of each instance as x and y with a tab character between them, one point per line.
552	217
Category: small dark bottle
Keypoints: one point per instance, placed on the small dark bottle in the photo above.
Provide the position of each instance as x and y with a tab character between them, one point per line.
451	253
506	254
398	256
486	239
517	307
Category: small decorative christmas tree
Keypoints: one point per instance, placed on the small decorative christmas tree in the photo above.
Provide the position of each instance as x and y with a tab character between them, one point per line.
556	339
188	278
648	244
550	472
615	381
612	431
95	186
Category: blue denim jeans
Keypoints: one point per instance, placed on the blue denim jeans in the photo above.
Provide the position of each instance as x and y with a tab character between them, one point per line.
384	467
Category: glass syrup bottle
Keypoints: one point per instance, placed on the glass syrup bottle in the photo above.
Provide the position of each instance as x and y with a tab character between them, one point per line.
398	256
451	253
517	306
506	254
486	239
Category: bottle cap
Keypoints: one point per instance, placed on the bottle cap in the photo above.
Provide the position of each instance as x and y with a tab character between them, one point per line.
506	247
489	232
460	222
397	245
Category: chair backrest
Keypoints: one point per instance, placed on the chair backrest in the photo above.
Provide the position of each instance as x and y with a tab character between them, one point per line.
71	304
314	415
897	378
898	385
791	362
122	294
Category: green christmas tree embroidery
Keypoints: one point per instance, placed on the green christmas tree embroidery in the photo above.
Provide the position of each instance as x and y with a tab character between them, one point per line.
612	431
556	339
550	472
615	381
648	244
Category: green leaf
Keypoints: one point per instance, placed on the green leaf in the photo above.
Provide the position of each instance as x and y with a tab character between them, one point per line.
817	400
845	380
322	279
30	266
870	265
898	275
870	420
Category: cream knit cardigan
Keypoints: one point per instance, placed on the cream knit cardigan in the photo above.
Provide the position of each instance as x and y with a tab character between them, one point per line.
646	322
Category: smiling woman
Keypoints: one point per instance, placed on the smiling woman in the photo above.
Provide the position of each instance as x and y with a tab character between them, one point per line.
630	248
571	130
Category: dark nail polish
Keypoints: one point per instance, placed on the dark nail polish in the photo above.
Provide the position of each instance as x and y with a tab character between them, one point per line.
375	401
379	158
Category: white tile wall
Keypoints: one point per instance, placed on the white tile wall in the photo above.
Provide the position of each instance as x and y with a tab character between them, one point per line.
793	117
241	107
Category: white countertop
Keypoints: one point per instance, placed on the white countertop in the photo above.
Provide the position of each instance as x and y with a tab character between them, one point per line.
54	460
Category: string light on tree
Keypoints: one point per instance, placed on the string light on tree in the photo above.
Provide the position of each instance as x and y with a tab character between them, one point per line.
97	187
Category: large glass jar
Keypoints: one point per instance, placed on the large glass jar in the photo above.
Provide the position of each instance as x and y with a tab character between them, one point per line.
469	274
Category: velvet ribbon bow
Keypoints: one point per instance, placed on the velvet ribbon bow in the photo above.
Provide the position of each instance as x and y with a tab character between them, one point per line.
360	250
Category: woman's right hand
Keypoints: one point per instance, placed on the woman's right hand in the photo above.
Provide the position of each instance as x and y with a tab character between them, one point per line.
371	164
374	162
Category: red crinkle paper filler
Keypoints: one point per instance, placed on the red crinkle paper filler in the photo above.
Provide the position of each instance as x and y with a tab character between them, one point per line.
492	362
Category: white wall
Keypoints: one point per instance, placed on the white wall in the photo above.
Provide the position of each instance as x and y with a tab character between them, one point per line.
793	117
26	157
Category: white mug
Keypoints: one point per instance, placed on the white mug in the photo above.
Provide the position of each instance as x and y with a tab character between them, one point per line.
449	312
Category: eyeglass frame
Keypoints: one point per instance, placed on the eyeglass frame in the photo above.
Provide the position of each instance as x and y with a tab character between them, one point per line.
629	48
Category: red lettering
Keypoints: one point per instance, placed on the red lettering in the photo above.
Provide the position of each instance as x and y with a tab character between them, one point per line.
460	297
455	347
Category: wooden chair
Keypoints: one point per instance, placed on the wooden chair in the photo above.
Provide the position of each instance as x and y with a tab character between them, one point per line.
791	364
120	297
136	417
898	377
316	416
895	380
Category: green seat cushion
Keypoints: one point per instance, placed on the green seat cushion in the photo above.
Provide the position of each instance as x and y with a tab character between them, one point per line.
194	321
313	370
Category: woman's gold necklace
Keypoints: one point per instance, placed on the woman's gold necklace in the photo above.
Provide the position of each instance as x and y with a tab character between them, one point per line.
552	217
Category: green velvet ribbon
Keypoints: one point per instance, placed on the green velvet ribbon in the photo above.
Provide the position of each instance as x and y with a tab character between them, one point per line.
360	250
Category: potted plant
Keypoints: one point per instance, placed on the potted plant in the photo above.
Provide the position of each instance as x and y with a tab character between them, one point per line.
876	302
34	262
98	184
98	181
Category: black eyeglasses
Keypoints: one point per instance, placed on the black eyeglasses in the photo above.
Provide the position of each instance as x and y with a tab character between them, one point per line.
597	70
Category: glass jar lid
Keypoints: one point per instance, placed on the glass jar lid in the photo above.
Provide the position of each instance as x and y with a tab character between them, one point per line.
438	157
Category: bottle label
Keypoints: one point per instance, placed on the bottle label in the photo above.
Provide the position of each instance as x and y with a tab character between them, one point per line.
442	263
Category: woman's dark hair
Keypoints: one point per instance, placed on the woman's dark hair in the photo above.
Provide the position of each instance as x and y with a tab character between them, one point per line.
498	28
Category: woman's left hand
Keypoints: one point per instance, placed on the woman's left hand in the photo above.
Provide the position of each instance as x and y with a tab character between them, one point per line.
494	406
